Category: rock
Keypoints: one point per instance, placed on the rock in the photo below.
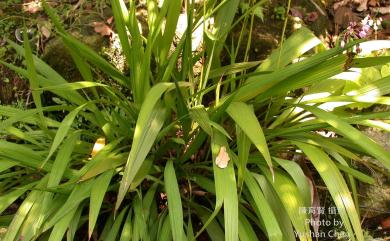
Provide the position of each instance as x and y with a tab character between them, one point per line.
344	15
376	198
57	55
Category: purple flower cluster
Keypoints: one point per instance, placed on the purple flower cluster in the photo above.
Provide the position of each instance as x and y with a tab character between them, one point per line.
364	31
357	30
361	29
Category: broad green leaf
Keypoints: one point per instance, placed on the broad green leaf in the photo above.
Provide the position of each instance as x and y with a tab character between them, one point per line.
121	16
111	236
246	119
352	99
245	230
100	163
144	137
61	226
271	225
150	120
144	170
149	208
47	75
63	130
62	160
232	69
80	62
80	192
213	228
174	202
7	199
377	88
22	135
315	74
5	165
370	61
172	18
277	207
105	159
108	222
28	116
71	96
261	83
297	44
205	183
199	114
74	224
33	78
243	148
291	199
344	166
165	233
19	217
140	230
73	86
127	228
23	211
224	19
299	177
35	218
5	220
337	188
18	153
357	137
136	64
98	191
225	177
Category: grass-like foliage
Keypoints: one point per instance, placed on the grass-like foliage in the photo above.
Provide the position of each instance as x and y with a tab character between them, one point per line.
166	151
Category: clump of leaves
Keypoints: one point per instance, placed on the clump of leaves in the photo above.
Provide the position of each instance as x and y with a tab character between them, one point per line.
222	154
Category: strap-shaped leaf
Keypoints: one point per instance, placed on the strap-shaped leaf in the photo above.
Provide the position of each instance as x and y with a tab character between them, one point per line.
337	188
7	199
261	83
265	212
60	228
357	137
199	114
114	231
245	118
297	44
226	188
281	215
98	191
23	211
297	174
63	130
80	192
291	199
150	120
174	202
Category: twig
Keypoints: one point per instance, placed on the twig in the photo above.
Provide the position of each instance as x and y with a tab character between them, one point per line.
318	8
283	32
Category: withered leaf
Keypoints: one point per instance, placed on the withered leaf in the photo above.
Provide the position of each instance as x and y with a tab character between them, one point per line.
223	158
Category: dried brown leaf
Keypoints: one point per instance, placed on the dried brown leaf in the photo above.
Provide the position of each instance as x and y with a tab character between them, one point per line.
45	32
102	28
110	19
223	158
32	7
